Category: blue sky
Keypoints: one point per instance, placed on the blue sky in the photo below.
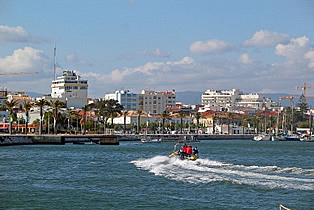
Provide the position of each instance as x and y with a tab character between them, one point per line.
257	46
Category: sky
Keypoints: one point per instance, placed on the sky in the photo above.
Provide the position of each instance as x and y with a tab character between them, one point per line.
186	45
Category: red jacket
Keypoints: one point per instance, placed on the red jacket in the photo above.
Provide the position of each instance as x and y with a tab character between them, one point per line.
189	150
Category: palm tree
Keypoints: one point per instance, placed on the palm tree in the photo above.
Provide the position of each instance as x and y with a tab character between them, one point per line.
197	116
181	115
10	105
230	118
139	112
27	107
215	118
41	103
84	119
56	105
164	115
125	114
70	115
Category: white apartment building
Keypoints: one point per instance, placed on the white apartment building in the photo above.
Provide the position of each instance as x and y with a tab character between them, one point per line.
156	102
70	89
220	98
252	100
215	100
125	98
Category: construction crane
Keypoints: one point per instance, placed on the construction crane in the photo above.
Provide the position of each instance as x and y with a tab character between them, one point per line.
291	97
304	87
17	73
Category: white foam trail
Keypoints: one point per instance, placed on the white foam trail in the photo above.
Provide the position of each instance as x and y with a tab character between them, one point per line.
207	171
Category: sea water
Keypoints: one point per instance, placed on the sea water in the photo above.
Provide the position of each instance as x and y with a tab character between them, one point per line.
231	174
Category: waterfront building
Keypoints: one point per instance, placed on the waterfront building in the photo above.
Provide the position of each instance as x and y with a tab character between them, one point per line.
252	100
223	100
3	95
154	102
20	96
70	89
128	100
220	98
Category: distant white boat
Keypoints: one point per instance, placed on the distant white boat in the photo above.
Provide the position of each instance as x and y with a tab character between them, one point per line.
151	140
262	137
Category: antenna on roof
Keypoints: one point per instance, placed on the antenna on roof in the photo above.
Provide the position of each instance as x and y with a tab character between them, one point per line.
55	60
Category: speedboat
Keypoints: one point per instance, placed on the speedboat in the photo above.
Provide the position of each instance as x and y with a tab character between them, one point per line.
187	155
177	154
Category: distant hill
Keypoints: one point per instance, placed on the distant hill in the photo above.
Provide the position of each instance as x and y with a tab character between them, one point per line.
34	95
286	102
194	97
189	97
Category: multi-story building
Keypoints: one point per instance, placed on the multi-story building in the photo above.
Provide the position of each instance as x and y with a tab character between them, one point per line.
125	98
220	98
252	100
3	95
156	102
70	89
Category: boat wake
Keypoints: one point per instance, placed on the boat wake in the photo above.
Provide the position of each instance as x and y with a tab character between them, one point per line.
208	171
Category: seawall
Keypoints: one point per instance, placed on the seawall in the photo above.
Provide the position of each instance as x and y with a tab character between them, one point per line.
10	140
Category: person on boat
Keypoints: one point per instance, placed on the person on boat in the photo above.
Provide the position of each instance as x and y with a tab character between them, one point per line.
189	150
195	151
183	151
184	148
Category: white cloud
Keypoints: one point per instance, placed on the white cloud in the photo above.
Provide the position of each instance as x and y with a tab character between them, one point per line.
23	60
264	38
149	68
310	55
213	46
295	49
245	59
155	53
16	34
73	58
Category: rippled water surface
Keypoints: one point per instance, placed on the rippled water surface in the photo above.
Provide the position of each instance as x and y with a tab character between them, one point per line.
228	175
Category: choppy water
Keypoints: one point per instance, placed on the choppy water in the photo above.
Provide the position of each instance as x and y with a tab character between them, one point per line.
228	175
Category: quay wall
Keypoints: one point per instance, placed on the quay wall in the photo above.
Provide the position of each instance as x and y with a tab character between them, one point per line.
9	140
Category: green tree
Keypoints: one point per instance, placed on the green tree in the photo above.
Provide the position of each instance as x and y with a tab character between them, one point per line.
139	113
164	116
108	109
215	118
56	105
41	103
230	118
125	114
85	109
197	116
27	106
181	115
10	106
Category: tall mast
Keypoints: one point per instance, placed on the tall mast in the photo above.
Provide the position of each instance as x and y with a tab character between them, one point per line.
55	60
